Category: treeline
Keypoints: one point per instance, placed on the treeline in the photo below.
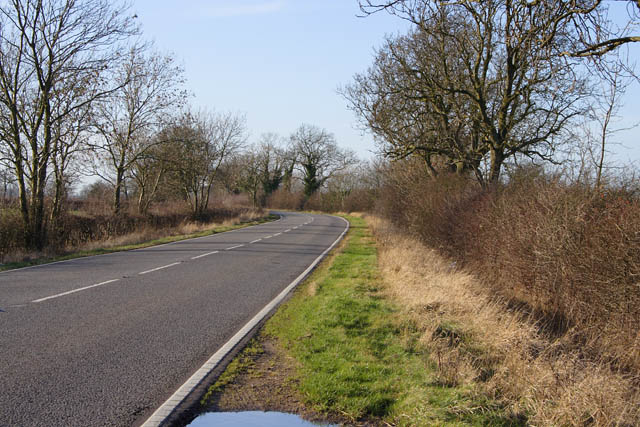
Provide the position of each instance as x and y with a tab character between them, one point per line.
83	95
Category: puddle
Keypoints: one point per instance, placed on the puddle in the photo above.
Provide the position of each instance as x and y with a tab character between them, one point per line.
250	419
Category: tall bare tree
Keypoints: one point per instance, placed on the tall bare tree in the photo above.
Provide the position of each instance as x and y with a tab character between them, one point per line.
260	170
48	50
201	143
604	114
69	140
496	73
149	171
150	88
401	100
318	156
246	174
273	161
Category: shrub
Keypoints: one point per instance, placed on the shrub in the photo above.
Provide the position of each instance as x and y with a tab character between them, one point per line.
567	254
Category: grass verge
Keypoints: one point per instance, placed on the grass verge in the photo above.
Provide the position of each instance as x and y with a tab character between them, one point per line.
357	353
214	229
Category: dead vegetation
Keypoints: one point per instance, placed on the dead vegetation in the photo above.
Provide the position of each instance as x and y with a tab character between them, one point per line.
478	338
89	228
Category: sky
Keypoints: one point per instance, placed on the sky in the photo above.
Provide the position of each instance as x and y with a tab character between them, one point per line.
280	62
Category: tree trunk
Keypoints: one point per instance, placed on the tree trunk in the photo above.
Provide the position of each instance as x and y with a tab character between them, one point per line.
497	158
56	208
117	205
142	205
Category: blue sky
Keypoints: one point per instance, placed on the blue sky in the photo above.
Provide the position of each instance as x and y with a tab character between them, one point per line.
281	61
278	61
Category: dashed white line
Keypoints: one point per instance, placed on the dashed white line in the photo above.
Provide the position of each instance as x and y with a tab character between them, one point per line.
277	234
234	247
204	255
159	268
295	228
268	237
256	241
75	290
286	231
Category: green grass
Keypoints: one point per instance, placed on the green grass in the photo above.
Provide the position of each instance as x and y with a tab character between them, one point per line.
161	241
359	356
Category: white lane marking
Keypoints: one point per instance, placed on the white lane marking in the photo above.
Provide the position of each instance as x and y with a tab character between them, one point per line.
17	305
204	255
159	268
277	234
169	406
234	247
268	237
295	228
256	241
74	291
286	231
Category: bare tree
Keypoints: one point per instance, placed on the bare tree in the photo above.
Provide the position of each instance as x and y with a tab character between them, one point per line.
47	50
495	74
604	113
344	183
201	143
6	182
401	100
247	174
69	141
318	156
149	171
150	88
274	164
260	170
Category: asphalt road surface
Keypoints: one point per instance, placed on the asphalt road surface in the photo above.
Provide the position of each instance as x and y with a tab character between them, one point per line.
103	340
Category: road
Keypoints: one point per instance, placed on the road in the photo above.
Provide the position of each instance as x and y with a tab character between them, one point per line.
104	340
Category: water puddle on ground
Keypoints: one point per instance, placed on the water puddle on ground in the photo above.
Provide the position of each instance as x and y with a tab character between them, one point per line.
250	419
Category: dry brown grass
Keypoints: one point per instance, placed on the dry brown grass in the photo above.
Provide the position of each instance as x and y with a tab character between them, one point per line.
479	340
147	233
83	231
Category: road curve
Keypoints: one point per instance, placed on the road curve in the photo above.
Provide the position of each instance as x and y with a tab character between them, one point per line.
103	340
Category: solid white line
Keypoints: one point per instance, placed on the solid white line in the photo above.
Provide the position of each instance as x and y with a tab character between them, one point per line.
256	241
234	247
75	290
167	408
159	268
204	255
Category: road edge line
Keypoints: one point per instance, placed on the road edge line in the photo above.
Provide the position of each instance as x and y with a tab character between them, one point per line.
165	410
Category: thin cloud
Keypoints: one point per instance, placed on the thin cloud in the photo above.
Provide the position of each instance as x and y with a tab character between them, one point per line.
244	8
